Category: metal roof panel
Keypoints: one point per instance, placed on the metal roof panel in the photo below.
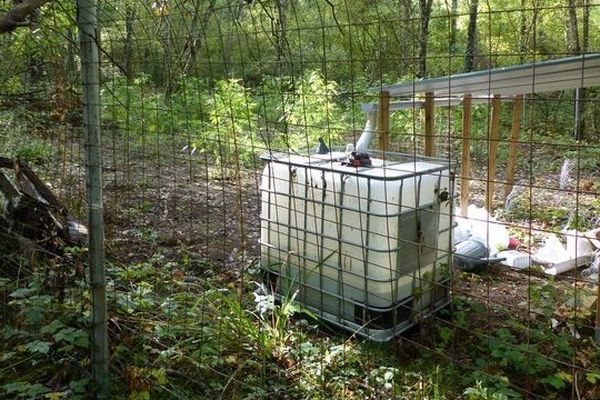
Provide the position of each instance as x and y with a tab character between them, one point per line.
543	76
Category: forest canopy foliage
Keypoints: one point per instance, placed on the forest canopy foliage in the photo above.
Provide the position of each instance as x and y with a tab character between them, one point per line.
290	66
222	81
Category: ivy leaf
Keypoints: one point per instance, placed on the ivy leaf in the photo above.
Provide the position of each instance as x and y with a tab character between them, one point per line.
38	346
74	336
79	386
34	315
52	327
25	389
553	381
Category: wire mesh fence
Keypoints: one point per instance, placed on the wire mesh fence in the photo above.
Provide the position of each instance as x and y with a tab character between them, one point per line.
301	199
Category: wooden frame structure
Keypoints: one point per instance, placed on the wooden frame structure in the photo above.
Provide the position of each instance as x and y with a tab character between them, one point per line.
488	86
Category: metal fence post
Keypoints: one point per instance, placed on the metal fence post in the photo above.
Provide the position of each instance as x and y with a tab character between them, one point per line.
88	31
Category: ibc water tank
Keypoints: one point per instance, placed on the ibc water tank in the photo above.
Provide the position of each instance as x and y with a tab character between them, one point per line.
367	248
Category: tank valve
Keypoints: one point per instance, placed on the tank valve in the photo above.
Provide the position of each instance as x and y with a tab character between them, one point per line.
443	196
358	160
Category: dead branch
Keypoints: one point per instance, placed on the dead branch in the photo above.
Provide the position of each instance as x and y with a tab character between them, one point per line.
6	163
7	188
16	16
32	185
35	220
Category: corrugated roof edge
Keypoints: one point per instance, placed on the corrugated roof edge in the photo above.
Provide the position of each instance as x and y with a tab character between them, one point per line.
443	83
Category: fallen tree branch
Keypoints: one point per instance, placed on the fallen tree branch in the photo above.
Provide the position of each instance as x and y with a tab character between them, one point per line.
35	213
6	163
8	189
17	15
35	187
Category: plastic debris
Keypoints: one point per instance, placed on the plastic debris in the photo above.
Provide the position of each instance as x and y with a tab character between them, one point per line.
515	259
470	254
565	171
557	325
514	193
590	274
553	251
594	237
479	225
513	243
559	259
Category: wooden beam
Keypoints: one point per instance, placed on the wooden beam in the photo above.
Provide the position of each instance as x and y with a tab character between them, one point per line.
383	122
513	144
492	152
465	164
429	139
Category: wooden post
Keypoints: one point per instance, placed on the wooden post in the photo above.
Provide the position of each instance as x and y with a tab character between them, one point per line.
492	152
429	139
514	143
383	122
466	155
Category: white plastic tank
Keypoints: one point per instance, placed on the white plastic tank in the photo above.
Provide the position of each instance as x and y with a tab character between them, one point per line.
368	248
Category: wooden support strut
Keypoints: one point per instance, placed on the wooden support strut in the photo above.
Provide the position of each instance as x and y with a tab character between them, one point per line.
514	143
466	155
429	139
383	122
492	152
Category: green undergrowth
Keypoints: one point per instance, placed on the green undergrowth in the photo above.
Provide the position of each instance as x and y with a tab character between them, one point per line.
537	343
176	335
180	330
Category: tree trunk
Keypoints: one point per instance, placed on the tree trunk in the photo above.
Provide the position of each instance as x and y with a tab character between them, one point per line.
523	33
406	34
129	17
572	31
197	30
471	36
453	27
425	7
573	48
584	106
281	31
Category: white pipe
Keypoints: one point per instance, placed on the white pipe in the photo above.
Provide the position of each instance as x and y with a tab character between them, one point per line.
362	145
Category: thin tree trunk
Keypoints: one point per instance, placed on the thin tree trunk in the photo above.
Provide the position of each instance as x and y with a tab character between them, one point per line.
573	48
281	30
471	36
406	34
572	31
584	106
523	33
425	6
453	26
197	29
129	17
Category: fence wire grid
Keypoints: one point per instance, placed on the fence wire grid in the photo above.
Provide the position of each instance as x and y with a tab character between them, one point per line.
300	199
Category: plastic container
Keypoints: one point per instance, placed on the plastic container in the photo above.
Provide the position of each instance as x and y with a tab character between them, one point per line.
368	248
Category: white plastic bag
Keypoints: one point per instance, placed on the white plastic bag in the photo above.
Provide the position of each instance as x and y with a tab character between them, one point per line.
479	225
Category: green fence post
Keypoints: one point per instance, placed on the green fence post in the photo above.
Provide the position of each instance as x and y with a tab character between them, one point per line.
90	67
